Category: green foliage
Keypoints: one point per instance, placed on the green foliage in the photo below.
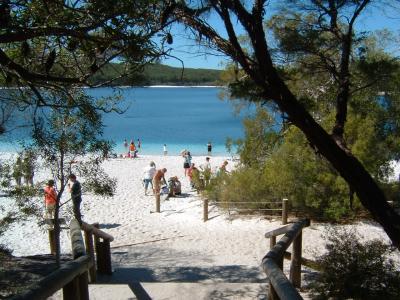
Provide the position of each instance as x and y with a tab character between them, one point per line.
261	137
241	185
98	182
68	134
157	74
284	166
355	270
289	167
6	174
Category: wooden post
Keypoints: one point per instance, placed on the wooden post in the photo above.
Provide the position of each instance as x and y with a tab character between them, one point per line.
158	202
99	253
100	257
107	257
295	265
90	251
284	211
83	286
71	290
103	250
52	241
272	242
205	210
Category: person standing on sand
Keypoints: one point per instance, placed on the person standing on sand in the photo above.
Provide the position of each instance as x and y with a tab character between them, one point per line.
28	167
148	175
132	149
75	189
187	162
50	199
139	144
165	149
126	145
206	169
158	177
209	148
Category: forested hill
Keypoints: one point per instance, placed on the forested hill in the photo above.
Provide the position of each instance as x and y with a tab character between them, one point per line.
157	74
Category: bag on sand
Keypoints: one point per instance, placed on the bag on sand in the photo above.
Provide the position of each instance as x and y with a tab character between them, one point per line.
164	189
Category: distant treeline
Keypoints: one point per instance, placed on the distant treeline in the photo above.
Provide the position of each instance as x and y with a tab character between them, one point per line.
157	74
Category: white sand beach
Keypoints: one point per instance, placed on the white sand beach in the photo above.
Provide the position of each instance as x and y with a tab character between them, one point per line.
174	253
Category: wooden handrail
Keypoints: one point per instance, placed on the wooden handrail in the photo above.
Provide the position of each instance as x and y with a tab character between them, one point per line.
72	276
97	232
77	245
56	280
272	261
279	231
244	202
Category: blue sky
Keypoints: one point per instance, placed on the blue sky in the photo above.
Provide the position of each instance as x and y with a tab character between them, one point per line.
194	57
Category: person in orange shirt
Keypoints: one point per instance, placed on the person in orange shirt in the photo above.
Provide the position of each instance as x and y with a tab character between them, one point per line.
132	149
50	199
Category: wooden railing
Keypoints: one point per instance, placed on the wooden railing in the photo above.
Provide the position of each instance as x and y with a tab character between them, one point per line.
280	287
73	277
284	208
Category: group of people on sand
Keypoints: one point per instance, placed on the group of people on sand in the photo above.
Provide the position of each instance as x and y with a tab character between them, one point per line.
155	178
50	197
131	149
204	172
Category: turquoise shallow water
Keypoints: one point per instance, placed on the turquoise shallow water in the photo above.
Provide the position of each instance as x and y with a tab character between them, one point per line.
182	118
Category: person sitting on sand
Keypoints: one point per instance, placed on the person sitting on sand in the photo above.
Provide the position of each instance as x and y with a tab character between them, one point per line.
158	177
50	199
148	175
174	186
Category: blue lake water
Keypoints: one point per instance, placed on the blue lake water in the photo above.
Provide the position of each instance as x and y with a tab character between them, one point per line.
180	117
